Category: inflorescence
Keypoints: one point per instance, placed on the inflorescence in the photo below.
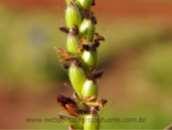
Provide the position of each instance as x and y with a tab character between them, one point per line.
80	59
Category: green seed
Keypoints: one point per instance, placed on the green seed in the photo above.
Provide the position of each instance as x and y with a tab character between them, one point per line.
72	16
87	29
86	4
89	58
77	78
72	43
91	122
89	89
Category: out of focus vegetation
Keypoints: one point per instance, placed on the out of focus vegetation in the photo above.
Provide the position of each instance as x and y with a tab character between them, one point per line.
27	55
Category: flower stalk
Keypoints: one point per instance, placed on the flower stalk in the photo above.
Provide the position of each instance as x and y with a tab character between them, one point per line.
80	59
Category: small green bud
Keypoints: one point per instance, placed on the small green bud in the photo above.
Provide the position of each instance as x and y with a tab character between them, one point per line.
72	43
87	29
89	89
91	122
73	17
77	78
86	4
89	58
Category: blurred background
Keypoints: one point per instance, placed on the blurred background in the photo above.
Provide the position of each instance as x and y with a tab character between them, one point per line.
137	58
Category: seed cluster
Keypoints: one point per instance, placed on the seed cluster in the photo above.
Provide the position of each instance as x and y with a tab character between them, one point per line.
80	58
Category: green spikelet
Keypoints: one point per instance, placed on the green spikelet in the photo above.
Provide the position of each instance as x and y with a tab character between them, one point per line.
89	89
91	122
89	58
72	43
86	4
87	29
72	16
77	78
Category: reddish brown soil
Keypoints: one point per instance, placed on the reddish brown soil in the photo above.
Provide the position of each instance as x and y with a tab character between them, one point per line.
111	7
154	9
